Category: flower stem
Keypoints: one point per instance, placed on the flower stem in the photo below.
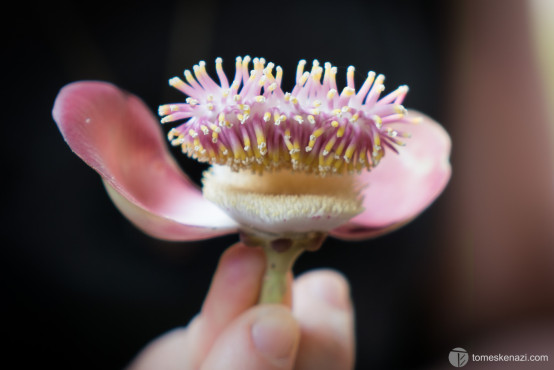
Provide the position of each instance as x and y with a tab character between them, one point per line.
278	264
281	251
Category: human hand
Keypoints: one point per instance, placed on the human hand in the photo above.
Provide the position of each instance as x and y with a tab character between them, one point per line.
233	332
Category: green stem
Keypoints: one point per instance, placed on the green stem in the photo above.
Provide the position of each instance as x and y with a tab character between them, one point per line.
281	252
278	265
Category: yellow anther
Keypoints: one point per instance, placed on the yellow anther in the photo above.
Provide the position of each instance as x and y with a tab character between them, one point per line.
279	74
398	108
335	124
178	141
296	148
238	152
329	145
377	155
311	119
267	116
246	142
316	73
223	150
378	121
336	166
193	133
304	78
340	131
176	82
339	149
300	69
259	99
363	160
210	106
269	68
328	162
163	110
189	77
204	129
298	118
348	91
336	112
331	94
171	134
244	108
377	141
350	76
349	152
243	118
289	144
317	133
212	154
355	117
403	88
260	137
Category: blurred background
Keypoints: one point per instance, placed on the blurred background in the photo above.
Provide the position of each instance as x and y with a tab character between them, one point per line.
84	289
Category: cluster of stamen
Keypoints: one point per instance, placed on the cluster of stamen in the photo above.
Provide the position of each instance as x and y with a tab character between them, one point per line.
251	123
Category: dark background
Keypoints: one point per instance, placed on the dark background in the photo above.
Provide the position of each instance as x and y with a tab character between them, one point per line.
82	287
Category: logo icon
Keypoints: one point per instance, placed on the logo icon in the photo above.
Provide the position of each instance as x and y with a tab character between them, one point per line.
458	357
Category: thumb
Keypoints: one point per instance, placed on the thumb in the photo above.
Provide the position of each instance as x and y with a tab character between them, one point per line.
265	337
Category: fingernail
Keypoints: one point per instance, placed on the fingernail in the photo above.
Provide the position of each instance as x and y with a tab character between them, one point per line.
275	333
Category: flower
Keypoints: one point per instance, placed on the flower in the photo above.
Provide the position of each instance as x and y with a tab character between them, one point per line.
312	160
287	168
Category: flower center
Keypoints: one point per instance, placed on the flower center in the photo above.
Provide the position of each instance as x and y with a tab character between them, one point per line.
258	127
281	202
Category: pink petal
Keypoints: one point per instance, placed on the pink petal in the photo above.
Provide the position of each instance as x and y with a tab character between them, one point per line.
405	184
117	135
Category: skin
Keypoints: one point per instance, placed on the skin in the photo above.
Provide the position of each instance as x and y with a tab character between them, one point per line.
231	331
